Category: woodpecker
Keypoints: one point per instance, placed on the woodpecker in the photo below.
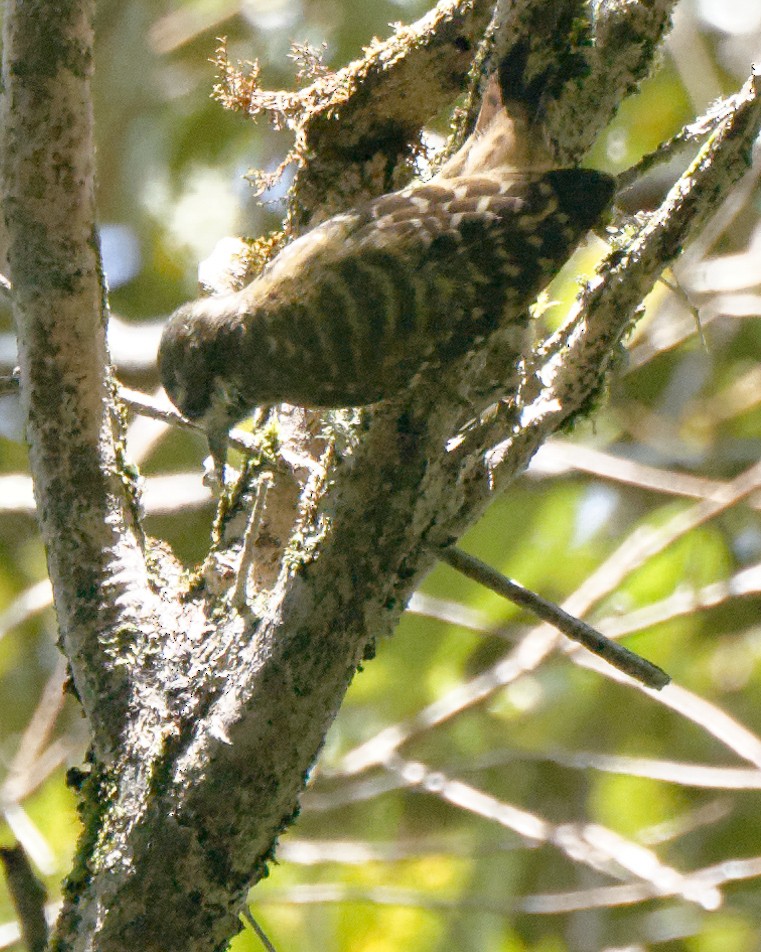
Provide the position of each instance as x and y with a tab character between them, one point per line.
350	312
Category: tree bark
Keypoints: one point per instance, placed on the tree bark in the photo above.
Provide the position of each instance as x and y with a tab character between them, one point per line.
207	710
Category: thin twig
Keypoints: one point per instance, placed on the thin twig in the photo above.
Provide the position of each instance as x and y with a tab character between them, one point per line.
679	292
258	930
141	403
634	551
574	628
691	133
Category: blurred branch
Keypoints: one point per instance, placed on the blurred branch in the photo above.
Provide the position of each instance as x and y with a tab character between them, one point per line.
647	541
675	330
561	456
599	897
357	852
686	600
183	25
31	601
589	844
24	828
680	773
31	763
171	493
28	895
708	716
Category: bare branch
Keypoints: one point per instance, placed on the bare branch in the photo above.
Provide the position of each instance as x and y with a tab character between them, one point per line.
574	628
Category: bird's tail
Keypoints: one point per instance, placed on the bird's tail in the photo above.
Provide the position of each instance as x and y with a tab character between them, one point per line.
504	139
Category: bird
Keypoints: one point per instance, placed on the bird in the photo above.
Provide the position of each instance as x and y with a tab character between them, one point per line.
349	313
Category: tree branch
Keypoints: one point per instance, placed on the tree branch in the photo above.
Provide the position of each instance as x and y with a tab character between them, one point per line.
574	628
93	546
222	724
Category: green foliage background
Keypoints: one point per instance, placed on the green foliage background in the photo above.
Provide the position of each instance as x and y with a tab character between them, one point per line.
374	865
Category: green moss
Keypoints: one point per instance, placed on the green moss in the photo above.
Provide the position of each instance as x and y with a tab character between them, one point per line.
97	790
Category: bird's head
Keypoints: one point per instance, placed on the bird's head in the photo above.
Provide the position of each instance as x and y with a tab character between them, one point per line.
186	364
191	366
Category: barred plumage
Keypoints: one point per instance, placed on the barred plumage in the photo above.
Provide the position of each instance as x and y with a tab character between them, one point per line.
348	314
